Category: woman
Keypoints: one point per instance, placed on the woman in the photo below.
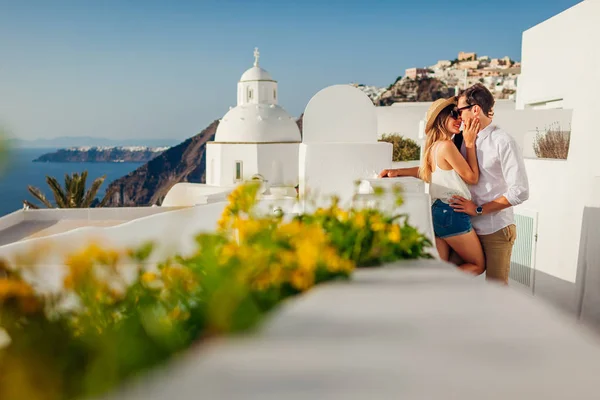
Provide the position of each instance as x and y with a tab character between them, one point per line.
448	174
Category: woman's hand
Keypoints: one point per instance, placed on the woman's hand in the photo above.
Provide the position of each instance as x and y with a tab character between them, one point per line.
472	128
389	173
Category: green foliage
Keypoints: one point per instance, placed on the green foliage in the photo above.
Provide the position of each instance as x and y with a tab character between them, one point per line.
130	314
404	149
72	195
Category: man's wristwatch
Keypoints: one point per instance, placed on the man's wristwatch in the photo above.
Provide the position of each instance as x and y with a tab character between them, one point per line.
479	210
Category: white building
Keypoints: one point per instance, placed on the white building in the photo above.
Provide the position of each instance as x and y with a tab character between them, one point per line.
255	137
560	190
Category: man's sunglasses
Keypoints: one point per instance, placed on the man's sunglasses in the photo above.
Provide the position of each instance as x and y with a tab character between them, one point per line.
461	109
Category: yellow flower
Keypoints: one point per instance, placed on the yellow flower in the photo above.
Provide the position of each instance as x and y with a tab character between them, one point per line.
177	275
247	228
290	229
13	288
178	315
229	250
334	263
148	277
287	258
17	289
359	220
378	226
394	234
341	215
307	253
302	279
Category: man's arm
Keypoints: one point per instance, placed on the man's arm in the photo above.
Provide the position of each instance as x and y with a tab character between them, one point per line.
392	173
515	175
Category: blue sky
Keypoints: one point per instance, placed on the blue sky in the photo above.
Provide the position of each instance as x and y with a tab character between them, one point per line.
166	69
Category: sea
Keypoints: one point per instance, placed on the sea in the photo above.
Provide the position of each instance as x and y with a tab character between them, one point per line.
17	171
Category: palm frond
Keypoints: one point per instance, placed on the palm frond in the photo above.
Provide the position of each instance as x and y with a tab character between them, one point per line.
78	194
93	191
59	195
30	204
37	193
107	197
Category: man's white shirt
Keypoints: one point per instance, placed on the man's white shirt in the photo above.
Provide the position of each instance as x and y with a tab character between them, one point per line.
501	173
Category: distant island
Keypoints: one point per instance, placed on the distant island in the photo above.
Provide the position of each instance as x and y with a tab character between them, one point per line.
63	142
106	154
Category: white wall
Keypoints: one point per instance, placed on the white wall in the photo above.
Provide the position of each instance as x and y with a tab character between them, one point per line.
225	156
213	163
332	168
285	158
560	60
12	219
556	56
172	231
559	215
340	114
262	92
523	124
185	194
401	119
340	143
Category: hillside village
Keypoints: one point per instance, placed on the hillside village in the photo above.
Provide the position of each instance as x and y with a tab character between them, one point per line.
447	77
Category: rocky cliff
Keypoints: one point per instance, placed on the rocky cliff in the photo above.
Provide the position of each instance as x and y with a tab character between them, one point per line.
102	154
407	90
149	184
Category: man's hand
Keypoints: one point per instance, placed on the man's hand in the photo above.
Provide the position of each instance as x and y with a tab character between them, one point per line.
388	173
460	204
471	129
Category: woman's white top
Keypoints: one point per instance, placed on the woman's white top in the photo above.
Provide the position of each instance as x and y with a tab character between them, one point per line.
446	183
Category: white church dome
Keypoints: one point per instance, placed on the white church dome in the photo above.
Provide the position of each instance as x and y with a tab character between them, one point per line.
257	123
256	73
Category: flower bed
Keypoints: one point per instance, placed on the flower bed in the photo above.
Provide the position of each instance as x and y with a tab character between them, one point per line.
116	315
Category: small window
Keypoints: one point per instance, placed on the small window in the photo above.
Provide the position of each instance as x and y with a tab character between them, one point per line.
239	171
249	94
274	94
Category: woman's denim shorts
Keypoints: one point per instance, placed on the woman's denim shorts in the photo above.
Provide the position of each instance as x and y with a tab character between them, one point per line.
447	222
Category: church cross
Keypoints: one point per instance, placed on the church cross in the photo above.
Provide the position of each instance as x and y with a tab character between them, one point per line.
256	56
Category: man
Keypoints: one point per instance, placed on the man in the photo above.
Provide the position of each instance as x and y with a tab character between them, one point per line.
502	183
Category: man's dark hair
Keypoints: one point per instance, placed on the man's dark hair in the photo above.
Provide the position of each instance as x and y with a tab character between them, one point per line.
479	95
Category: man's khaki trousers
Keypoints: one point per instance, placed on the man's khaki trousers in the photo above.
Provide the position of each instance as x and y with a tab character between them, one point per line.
497	248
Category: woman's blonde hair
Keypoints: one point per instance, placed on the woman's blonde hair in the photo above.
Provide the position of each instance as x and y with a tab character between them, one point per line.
437	132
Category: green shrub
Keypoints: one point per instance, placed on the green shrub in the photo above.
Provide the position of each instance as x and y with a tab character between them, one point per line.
404	149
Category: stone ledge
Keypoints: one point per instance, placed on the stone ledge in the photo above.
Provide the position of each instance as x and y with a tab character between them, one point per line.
411	330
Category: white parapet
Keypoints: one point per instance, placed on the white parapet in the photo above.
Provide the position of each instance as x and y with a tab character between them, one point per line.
340	143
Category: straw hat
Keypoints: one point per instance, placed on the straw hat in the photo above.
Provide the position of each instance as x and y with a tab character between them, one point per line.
435	110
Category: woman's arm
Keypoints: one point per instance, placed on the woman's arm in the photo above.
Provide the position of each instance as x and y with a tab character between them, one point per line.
392	173
465	168
469	169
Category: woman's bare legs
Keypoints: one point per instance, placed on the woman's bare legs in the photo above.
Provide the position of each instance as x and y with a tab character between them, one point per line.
468	247
443	248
